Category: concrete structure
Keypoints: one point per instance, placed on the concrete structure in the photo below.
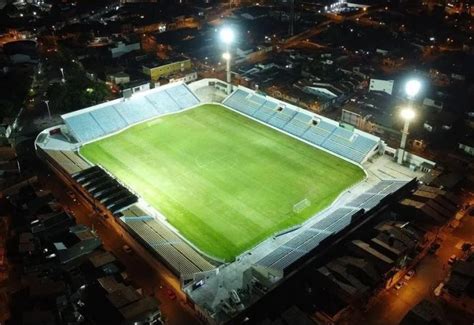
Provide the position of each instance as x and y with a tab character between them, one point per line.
158	69
124	46
385	86
119	78
210	284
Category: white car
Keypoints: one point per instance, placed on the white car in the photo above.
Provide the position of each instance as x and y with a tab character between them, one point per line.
438	289
399	285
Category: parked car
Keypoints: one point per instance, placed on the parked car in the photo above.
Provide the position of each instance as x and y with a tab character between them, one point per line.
234	296
399	285
437	290
409	275
452	259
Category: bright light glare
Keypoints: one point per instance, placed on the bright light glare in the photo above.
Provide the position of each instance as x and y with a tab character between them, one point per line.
227	35
412	88
226	56
408	114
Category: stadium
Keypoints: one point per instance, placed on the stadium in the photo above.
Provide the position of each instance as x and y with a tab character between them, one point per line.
216	185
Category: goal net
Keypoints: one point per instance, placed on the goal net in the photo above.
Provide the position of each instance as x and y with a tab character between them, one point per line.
301	205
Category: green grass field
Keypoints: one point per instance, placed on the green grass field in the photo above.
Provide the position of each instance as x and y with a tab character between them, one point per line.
223	180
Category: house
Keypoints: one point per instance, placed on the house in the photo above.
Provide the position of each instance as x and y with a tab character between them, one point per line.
461	279
119	78
430	204
24	51
425	312
80	241
157	69
123	46
381	262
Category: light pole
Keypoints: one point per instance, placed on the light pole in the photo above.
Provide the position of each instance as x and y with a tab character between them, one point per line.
412	88
47	107
408	114
62	74
227	37
226	56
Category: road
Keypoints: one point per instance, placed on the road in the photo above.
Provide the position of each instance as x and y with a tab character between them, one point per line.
393	305
334	19
152	281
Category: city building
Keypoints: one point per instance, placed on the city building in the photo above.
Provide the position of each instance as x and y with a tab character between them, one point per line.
162	68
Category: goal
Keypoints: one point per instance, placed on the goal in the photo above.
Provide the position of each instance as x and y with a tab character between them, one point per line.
301	205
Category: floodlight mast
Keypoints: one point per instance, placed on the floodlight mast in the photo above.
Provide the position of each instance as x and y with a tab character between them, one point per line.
227	37
412	88
407	114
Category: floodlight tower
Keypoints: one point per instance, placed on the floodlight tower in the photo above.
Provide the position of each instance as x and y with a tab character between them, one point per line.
227	37
412	88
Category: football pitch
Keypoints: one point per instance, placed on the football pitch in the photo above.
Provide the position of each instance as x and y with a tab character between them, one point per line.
224	181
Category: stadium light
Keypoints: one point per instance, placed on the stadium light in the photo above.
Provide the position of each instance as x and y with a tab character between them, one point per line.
226	56
407	114
227	36
412	88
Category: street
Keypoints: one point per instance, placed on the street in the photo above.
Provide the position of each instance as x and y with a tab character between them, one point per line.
392	305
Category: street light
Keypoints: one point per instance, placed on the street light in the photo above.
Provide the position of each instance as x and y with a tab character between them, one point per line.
47	107
227	37
407	114
62	73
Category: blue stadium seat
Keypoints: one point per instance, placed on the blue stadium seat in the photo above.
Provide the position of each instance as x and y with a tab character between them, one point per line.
136	110
343	133
281	118
265	112
182	96
84	127
109	119
296	127
313	137
162	102
325	134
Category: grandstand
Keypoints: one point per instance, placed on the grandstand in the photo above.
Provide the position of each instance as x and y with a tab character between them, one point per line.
315	232
275	257
101	120
354	145
166	244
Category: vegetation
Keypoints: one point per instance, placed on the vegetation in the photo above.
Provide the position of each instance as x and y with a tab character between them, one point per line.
12	98
78	90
